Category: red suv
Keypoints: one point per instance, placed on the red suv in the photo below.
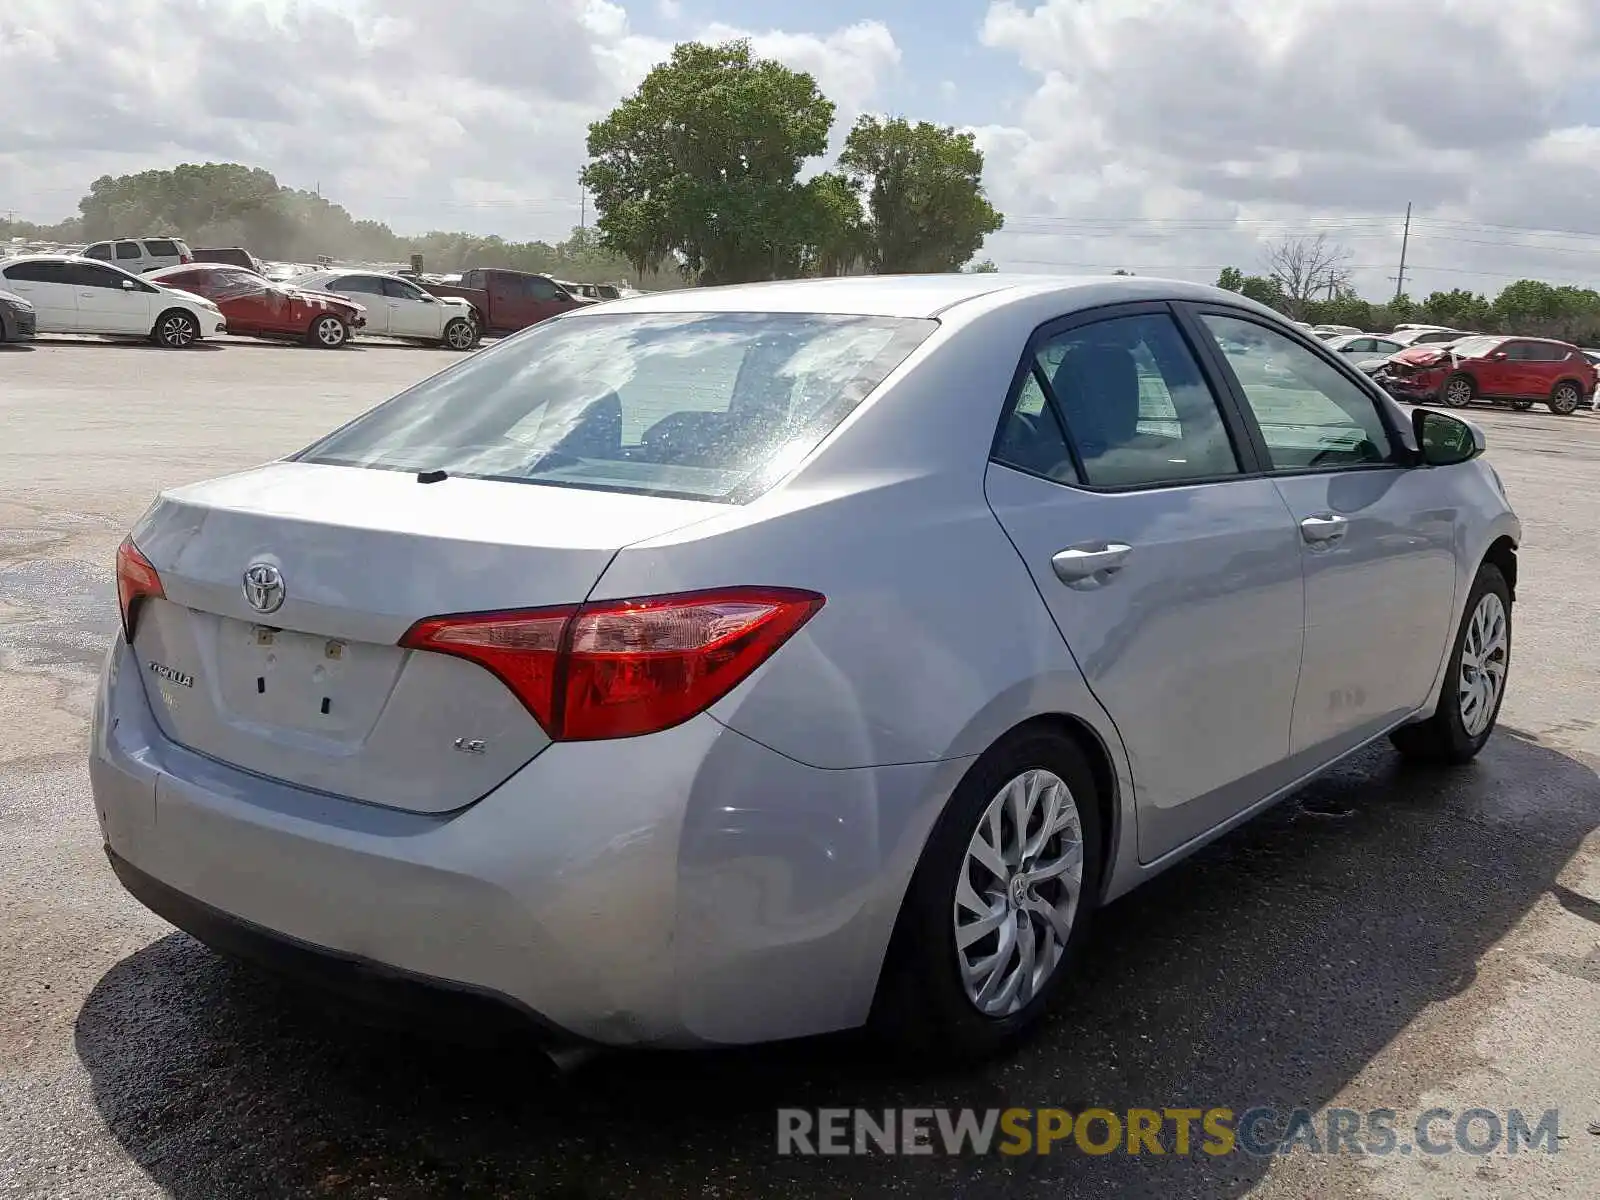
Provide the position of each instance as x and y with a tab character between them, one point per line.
1518	371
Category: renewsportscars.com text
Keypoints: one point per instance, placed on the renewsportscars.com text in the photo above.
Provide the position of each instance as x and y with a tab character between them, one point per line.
1260	1132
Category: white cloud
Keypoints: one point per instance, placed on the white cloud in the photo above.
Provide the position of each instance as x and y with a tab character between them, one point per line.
1172	135
399	109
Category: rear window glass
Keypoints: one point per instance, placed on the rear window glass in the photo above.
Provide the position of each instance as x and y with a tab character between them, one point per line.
160	248
709	406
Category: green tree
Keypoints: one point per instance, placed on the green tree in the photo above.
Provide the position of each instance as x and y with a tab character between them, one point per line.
1459	309
982	267
1262	290
924	190
1231	279
701	162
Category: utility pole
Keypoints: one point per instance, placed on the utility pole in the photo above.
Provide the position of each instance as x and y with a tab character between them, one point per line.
1405	242
583	208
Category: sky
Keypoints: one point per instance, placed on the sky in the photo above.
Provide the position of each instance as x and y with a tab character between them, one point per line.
1164	137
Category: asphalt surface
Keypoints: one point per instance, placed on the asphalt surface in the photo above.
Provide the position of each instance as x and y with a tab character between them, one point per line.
1387	939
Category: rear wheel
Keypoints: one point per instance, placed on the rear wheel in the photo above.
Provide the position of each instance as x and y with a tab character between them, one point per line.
1566	397
1458	391
1475	683
175	330
328	332
999	904
461	333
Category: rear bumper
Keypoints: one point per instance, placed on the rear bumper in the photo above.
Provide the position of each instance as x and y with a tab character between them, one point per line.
684	889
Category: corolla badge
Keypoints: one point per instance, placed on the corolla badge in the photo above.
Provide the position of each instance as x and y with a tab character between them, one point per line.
263	587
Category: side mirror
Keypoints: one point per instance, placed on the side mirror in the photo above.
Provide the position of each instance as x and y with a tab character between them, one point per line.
1498	356
129	284
1444	440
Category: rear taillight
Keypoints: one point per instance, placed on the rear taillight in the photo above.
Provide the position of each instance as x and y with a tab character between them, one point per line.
620	668
136	580
184	259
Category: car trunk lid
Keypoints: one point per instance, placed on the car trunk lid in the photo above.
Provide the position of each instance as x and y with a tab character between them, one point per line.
296	674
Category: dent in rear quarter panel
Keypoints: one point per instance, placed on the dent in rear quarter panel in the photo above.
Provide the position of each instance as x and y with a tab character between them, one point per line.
933	643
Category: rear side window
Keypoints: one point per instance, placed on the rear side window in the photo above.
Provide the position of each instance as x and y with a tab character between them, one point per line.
708	406
161	248
1133	404
1031	438
38	272
129	250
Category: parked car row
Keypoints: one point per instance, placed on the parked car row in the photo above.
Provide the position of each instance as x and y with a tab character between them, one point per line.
179	304
1517	371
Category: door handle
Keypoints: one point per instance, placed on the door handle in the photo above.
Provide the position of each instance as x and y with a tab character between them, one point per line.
1323	528
1079	566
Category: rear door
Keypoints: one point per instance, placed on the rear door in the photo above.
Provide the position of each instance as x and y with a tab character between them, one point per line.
1376	538
110	301
130	256
1173	576
511	305
410	315
44	282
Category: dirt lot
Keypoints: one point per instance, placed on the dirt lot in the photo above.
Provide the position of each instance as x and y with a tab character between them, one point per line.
1387	940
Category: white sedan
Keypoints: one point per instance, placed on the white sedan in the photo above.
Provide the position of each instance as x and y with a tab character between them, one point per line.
398	308
79	295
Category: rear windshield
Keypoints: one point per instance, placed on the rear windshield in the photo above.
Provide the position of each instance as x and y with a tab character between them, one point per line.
708	406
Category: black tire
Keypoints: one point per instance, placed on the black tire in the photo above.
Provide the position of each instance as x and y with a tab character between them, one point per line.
175	329
328	331
1443	738
1458	391
461	333
1522	405
1565	398
922	1009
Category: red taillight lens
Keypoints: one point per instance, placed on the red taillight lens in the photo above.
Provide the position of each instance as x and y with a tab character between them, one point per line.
185	258
628	667
136	579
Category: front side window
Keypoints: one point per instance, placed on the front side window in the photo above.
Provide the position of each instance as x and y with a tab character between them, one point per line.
1310	415
100	250
367	284
91	275
1134	403
397	289
709	406
536	287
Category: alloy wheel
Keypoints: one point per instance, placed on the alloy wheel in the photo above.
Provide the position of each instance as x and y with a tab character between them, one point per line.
1458	393
177	331
1485	653
1020	886
461	335
1565	399
330	332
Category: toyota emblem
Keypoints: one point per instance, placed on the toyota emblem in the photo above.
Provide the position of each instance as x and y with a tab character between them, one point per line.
263	587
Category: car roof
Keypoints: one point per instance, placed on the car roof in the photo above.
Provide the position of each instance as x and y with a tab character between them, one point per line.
920	295
16	258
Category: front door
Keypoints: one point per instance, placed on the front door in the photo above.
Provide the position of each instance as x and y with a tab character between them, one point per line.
367	291
45	283
412	313
1174	579
1376	541
110	301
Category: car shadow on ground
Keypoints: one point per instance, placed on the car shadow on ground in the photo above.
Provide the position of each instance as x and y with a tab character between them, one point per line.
16	347
1267	970
129	343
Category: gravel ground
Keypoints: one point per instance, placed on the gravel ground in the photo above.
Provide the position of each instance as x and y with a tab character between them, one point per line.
1387	939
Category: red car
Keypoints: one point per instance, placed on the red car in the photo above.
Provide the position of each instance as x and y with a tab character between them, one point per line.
256	306
1518	371
507	301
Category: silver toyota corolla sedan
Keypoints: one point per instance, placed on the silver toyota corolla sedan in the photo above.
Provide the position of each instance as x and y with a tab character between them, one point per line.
733	664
